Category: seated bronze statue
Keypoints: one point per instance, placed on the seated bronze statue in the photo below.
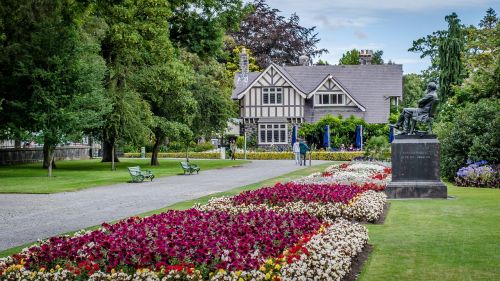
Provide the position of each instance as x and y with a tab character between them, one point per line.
424	113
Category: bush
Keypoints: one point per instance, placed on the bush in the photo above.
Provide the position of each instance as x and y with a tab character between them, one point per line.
478	175
378	148
473	133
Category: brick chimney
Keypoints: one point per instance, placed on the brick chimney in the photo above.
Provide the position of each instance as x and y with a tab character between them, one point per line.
365	56
304	60
243	75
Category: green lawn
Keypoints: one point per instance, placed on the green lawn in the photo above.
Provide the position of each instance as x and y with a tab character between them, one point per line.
75	175
452	240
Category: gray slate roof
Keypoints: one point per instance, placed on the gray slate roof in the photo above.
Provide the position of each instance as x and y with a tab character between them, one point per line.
363	82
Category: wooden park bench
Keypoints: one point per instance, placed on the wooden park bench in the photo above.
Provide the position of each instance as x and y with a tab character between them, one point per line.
190	168
139	175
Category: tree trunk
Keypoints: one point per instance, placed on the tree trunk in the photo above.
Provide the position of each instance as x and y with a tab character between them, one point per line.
91	147
107	151
48	156
113	168
17	143
156	150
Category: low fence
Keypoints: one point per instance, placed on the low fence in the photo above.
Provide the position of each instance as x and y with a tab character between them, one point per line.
320	155
11	156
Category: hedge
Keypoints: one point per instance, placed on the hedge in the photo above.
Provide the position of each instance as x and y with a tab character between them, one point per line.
330	156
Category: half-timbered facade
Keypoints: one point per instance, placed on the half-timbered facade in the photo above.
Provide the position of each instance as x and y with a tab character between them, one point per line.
274	100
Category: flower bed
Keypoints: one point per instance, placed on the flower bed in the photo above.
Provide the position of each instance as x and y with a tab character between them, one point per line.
321	200
366	176
193	245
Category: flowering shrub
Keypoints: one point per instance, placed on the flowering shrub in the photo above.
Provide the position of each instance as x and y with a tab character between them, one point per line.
281	194
478	174
185	239
326	251
367	176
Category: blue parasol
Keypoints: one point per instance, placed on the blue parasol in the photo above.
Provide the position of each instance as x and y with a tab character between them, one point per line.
326	137
359	136
391	134
294	134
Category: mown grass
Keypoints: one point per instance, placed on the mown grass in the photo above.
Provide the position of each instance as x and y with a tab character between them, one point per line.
456	239
81	174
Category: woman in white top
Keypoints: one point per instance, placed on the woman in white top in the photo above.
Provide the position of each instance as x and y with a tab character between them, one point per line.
296	152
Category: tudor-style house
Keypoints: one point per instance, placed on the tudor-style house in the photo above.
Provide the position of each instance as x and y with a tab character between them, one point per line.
274	100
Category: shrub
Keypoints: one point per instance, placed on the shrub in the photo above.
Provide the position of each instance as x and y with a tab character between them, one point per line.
473	133
378	148
478	175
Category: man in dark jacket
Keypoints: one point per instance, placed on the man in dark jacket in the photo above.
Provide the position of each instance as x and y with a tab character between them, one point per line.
421	113
303	150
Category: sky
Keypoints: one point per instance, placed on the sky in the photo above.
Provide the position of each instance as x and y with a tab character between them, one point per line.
387	25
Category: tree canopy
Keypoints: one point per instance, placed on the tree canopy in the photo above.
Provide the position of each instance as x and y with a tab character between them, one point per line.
273	38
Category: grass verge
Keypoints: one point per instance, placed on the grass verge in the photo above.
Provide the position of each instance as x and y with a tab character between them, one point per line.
455	239
81	174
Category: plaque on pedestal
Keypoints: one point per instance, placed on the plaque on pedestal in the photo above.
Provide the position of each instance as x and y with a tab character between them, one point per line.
415	168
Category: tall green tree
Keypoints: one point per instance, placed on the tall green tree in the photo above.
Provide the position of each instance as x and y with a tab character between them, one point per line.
61	72
451	48
137	36
167	89
350	58
413	87
377	57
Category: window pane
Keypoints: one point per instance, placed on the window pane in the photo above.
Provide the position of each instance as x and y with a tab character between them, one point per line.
269	126
334	99
326	99
278	98
282	126
262	126
276	126
263	136
282	136
269	136
276	136
266	98
272	98
340	99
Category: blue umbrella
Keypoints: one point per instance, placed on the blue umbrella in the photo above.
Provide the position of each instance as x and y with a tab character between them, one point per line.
359	136
326	137
294	134
391	134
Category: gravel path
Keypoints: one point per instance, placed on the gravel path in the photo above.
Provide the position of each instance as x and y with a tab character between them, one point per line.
25	218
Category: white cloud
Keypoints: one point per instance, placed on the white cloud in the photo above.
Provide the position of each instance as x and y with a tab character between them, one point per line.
334	22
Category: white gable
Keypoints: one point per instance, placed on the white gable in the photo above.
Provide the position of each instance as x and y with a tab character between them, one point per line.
329	85
271	77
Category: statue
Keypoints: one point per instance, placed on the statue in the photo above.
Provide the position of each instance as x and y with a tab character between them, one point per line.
424	113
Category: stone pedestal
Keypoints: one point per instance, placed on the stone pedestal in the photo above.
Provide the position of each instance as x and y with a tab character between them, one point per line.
415	168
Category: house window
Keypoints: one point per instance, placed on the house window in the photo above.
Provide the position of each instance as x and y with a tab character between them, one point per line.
273	133
272	96
323	99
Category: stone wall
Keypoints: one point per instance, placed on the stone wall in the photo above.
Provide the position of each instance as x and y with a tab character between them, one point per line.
10	156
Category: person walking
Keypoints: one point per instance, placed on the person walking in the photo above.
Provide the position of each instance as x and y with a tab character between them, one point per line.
296	152
303	151
232	148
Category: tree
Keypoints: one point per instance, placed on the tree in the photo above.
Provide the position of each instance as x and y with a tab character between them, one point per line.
490	20
413	87
272	38
350	58
61	72
137	36
200	26
167	89
377	57
451	48
428	47
322	62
